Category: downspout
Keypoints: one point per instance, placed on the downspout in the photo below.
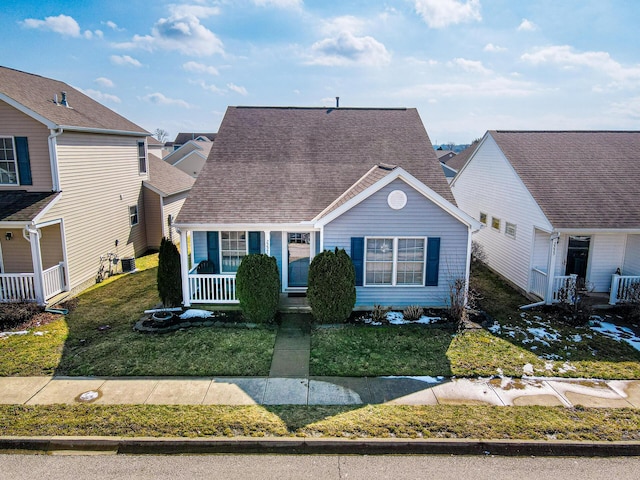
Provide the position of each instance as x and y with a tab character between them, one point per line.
53	158
551	267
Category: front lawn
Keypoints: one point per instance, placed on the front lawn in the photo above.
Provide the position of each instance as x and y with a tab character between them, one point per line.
517	343
96	338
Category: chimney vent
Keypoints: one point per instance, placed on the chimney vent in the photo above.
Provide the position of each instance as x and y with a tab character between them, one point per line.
337	102
55	99
64	100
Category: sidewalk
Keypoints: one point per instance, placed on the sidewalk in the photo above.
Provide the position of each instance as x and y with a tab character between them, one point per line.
289	383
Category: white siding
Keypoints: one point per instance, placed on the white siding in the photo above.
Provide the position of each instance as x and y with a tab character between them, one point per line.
541	250
632	256
99	180
605	256
420	217
489	184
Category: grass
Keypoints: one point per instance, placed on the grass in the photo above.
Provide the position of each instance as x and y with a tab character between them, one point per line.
513	349
96	338
372	421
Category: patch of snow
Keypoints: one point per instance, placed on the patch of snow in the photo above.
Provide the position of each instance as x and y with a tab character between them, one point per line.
495	328
527	369
576	338
88	396
567	367
542	335
8	334
500	372
425	378
620	334
548	366
396	318
39	334
196	313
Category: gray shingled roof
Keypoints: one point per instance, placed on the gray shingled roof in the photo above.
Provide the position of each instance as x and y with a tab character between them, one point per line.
457	162
579	179
279	164
21	206
184	137
36	93
166	178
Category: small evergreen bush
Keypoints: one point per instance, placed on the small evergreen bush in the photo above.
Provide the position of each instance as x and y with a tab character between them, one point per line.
258	287
332	286
169	275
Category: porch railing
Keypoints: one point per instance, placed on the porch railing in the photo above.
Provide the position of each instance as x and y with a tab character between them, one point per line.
17	287
53	280
623	288
538	282
208	288
563	287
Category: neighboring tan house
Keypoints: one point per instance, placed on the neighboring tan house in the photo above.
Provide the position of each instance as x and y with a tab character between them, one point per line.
560	208
71	173
191	156
155	147
291	182
164	194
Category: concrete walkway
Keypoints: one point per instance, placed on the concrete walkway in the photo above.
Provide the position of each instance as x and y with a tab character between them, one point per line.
289	383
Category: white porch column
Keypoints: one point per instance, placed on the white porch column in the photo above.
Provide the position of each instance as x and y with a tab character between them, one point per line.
33	235
551	267
184	267
267	242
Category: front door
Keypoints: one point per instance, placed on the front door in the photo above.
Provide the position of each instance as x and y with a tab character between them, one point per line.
578	256
299	254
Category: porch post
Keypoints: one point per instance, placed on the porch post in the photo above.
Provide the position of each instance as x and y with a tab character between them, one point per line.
551	267
184	267
267	242
33	235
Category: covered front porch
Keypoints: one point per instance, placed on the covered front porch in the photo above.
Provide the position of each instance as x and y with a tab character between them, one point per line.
605	263
210	262
32	265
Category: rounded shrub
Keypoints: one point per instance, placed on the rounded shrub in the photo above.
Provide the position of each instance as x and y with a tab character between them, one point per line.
258	287
169	275
332	286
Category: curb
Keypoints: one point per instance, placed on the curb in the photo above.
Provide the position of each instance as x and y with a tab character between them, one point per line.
315	446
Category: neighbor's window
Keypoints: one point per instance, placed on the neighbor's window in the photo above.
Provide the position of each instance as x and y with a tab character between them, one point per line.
8	167
510	230
133	215
233	247
394	261
142	158
495	223
483	218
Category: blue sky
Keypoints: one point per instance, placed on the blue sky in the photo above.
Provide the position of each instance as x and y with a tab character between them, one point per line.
467	65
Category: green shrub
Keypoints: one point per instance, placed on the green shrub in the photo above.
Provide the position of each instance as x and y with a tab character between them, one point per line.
169	275
258	287
332	286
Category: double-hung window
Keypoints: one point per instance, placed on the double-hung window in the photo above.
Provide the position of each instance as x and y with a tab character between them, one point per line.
133	215
233	247
8	166
395	261
142	158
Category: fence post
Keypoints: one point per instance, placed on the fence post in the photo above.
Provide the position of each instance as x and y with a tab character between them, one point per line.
615	284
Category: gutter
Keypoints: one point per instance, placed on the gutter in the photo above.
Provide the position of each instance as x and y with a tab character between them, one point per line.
104	131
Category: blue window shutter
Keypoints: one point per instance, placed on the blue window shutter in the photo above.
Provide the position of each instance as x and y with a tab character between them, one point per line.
24	164
357	257
254	242
433	261
213	250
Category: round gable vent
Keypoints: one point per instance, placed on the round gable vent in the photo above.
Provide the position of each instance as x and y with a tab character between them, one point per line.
397	199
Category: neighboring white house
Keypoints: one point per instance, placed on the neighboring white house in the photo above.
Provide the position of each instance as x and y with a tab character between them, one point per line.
558	207
191	156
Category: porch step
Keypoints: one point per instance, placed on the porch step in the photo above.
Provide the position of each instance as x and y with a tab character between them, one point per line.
293	304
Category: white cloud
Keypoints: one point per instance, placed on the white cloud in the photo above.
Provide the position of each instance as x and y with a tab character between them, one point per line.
101	96
208	86
182	32
124	60
490	47
104	82
158	98
88	34
345	45
442	13
630	108
235	88
490	87
113	26
473	66
62	24
565	57
196	67
527	26
278	3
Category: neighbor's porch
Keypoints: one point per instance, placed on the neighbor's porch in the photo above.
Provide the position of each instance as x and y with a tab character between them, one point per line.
32	266
606	264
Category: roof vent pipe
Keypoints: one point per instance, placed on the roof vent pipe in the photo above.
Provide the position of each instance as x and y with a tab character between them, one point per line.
337	102
64	99
55	99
